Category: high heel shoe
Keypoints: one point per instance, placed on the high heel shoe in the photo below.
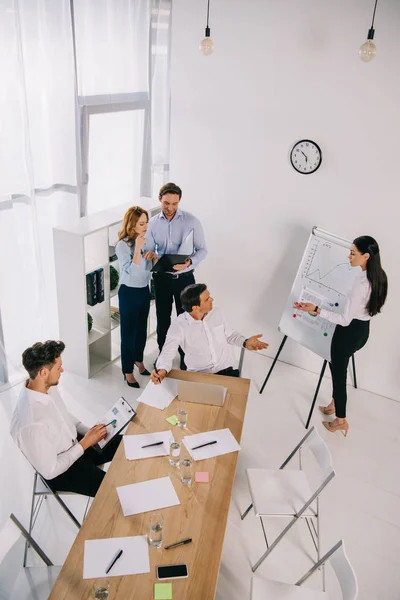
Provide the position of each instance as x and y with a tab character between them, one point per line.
332	428
134	385
326	411
145	372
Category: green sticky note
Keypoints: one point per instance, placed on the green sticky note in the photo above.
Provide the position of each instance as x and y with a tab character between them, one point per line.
163	591
172	420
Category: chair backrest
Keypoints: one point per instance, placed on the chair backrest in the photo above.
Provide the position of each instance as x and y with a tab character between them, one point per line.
9	535
343	570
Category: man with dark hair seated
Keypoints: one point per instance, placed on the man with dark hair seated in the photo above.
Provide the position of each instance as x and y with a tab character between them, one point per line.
204	336
56	444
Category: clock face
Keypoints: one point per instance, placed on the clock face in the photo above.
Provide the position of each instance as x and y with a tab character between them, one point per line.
306	157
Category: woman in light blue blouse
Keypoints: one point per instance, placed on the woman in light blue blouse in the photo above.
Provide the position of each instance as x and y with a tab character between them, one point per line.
134	292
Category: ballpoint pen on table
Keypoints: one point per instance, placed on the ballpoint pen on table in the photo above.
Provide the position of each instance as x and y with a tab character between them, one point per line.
155	444
202	445
179	544
114	560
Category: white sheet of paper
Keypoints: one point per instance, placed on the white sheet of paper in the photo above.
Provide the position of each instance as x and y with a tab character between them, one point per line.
187	246
147	495
160	395
98	555
226	443
133	444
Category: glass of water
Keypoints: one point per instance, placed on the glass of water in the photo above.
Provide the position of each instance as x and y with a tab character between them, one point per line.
182	414
174	452
156	527
101	588
186	471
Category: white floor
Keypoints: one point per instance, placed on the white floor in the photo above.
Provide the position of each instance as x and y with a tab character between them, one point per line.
361	505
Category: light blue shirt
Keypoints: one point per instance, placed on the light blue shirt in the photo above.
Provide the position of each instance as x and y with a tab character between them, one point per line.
130	274
165	237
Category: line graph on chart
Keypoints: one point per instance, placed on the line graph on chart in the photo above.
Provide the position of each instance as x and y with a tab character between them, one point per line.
326	265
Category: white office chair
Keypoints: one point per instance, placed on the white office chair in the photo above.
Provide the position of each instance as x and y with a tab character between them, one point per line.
262	589
35	582
287	493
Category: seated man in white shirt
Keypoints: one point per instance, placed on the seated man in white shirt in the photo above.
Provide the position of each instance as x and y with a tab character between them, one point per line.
204	336
56	444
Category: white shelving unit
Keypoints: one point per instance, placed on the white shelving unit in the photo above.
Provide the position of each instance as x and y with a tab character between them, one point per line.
79	248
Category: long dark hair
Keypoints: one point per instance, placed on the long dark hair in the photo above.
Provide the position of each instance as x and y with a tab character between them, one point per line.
376	275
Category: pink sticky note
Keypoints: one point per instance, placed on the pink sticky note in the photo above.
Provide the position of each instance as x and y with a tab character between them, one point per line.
202	477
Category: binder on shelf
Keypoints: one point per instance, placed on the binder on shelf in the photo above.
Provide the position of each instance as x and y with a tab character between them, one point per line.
100	285
91	288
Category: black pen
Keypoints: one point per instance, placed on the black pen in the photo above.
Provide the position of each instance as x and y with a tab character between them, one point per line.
156	370
111	422
114	560
202	445
155	444
179	544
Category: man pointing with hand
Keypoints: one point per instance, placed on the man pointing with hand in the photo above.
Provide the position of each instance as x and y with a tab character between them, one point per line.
204	336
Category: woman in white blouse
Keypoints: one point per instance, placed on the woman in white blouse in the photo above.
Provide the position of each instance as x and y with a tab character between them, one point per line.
352	331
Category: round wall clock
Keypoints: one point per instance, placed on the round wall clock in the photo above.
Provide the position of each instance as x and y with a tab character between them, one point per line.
306	157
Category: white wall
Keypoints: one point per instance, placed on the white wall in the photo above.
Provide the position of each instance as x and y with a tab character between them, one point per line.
283	70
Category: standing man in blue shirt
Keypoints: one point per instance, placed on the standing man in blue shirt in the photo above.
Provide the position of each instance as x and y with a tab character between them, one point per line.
165	234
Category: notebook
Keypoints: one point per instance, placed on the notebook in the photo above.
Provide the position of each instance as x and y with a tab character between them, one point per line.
202	393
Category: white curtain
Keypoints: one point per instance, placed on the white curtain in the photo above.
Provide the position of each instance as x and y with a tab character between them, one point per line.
84	125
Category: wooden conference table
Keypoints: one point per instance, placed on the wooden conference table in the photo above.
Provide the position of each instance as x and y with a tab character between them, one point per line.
202	514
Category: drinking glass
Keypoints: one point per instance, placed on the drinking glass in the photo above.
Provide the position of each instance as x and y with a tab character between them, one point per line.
182	414
186	471
101	588
174	452
156	527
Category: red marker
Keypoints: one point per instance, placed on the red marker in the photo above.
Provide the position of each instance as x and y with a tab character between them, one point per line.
294	315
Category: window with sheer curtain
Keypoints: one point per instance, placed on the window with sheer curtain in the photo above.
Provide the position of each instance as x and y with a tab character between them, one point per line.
84	120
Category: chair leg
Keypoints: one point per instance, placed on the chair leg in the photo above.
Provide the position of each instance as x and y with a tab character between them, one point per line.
66	509
274	543
246	512
30	521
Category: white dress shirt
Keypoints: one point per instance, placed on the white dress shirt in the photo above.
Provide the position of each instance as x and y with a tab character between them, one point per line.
46	432
206	343
356	303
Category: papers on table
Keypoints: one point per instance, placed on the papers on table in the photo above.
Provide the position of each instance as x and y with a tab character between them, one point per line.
99	554
226	443
133	445
160	395
147	495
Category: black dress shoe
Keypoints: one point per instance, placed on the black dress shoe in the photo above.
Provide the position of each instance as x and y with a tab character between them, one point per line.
134	385
145	372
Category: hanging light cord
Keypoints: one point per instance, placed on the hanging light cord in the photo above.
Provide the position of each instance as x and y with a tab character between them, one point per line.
208	10
373	16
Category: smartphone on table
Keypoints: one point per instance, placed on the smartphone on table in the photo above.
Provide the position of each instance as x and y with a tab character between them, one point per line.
171	572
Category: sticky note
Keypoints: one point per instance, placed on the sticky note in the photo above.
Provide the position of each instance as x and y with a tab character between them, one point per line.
163	591
202	477
172	420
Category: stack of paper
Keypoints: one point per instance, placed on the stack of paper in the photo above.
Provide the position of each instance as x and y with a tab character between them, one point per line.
133	444
147	495
100	553
226	443
160	395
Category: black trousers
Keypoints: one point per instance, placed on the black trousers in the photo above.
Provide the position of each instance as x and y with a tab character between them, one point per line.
345	342
229	371
84	476
134	305
168	289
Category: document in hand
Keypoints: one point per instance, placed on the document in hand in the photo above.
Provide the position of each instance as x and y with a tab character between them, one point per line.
147	495
160	395
98	555
226	443
134	444
117	418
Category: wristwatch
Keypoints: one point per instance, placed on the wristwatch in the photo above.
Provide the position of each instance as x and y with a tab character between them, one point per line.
244	343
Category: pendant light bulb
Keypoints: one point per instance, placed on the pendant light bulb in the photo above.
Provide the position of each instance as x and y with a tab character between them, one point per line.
207	45
367	52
